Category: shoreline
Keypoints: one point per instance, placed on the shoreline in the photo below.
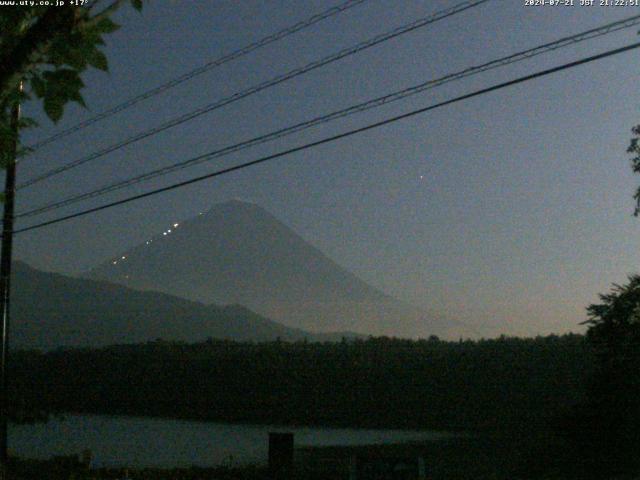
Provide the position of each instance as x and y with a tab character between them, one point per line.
486	456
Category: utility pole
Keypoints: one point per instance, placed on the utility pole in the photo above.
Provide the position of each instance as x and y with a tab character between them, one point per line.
5	281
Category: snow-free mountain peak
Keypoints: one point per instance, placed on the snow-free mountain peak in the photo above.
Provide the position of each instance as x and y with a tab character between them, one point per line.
239	253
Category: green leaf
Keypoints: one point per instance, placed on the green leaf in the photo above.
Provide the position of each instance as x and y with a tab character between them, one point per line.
63	81
76	59
70	51
98	60
106	25
39	86
62	86
77	97
54	107
26	122
137	4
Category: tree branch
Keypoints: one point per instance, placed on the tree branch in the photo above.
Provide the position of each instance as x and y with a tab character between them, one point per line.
53	22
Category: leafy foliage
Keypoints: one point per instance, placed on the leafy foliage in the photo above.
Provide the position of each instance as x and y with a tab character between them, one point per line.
47	48
612	412
603	430
614	324
379	382
634	149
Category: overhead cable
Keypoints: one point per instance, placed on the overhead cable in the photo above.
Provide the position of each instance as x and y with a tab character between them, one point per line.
258	88
198	71
361	107
333	138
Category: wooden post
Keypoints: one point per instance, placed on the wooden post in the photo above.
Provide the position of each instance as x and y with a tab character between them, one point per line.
280	455
5	285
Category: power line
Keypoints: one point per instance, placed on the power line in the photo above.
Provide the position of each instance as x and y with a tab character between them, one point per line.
339	136
200	70
361	107
422	22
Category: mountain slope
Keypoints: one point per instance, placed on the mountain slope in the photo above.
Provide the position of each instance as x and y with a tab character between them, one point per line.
238	253
51	310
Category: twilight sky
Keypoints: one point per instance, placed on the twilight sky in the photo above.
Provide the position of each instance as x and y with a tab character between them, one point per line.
510	211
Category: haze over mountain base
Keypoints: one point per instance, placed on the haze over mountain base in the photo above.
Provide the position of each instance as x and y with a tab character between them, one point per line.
51	310
238	253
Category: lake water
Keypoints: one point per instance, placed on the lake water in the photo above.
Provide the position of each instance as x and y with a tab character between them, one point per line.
146	442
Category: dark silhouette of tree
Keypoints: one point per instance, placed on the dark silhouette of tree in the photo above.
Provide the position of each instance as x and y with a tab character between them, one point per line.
610	419
378	382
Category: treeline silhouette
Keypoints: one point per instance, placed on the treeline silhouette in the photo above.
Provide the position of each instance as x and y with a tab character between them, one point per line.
378	382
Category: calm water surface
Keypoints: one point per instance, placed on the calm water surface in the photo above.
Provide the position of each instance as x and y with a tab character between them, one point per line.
142	442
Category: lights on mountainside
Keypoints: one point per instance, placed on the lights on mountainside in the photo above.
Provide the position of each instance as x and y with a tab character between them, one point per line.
175	225
147	242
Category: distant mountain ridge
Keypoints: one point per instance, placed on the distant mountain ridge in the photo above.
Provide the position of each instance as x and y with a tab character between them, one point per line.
238	253
50	310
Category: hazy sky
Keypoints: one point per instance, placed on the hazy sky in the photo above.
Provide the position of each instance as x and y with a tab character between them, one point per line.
511	210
